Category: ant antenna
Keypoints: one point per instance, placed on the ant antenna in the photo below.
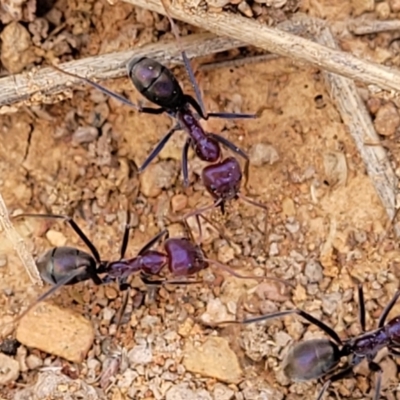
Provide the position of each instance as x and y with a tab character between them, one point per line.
186	61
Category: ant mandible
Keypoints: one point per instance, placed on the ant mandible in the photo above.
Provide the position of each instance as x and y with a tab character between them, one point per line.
316	358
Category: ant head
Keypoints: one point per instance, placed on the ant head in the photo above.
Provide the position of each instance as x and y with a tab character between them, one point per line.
222	180
155	82
311	359
185	257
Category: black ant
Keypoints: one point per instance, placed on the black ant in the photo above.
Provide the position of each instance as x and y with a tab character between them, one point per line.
64	265
156	83
316	358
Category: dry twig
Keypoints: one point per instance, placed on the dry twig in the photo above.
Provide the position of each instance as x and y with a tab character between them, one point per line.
279	42
19	245
46	85
364	26
358	121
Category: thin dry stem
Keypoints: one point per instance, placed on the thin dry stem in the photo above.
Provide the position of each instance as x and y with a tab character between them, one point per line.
279	42
45	85
364	26
358	121
26	258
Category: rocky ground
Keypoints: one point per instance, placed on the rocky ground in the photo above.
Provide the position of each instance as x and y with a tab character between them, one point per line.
327	229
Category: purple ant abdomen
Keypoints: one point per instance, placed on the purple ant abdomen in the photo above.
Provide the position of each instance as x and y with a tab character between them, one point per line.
59	262
185	258
223	180
155	82
311	359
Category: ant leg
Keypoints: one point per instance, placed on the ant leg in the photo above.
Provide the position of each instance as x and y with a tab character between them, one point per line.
153	241
203	209
150	282
231	146
52	290
125	238
185	169
234	273
223	115
361	307
186	61
323	390
374	367
346	371
154	153
122	99
126	288
73	225
393	350
232	115
387	309
264	207
329	331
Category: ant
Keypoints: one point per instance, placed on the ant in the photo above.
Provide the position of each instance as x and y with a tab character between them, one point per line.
158	85
316	358
222	179
64	265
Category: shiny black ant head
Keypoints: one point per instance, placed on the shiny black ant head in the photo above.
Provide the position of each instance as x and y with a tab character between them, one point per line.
311	359
185	257
156	83
60	262
222	180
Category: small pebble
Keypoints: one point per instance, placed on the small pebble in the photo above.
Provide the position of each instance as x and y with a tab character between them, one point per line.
262	153
245	9
216	312
16	49
9	347
362	6
218	3
387	120
281	338
225	254
108	313
50	385
110	292
179	202
382	10
185	328
56	238
395	5
57	331
222	392
157	177
9	370
85	134
215	359
3	261
33	361
273	249
313	271
288	207
140	355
